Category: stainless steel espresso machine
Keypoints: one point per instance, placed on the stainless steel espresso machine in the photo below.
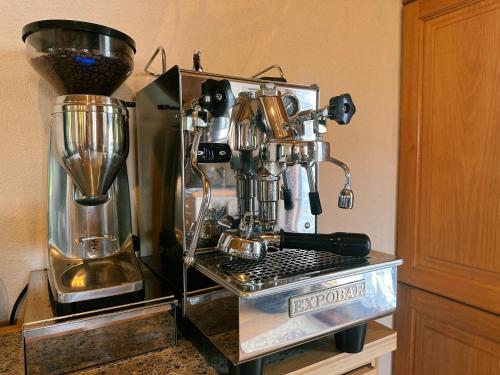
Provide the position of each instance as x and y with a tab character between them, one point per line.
91	253
228	173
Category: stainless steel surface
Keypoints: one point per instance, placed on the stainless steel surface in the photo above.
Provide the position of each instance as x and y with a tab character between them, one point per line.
205	202
285	297
90	248
233	243
77	279
160	50
243	122
293	151
250	325
89	134
270	67
310	177
275	116
243	242
168	209
268	195
283	269
55	345
245	192
346	196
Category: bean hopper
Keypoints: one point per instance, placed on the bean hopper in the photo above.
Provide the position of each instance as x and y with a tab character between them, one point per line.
228	174
90	245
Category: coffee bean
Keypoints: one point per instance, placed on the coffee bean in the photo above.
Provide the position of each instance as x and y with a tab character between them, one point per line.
83	72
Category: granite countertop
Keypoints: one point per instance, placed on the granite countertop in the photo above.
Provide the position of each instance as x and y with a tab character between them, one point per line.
194	354
11	351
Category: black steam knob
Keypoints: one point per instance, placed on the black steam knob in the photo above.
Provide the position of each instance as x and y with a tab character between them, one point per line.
216	96
341	108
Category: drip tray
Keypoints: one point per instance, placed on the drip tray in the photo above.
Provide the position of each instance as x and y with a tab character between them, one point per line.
291	297
283	269
282	265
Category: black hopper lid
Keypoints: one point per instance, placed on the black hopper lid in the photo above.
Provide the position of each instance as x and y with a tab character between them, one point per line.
76	25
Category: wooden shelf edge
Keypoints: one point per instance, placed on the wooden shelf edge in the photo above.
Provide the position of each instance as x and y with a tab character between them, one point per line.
323	360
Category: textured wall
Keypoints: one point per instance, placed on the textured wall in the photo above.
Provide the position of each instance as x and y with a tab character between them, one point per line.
344	46
25	104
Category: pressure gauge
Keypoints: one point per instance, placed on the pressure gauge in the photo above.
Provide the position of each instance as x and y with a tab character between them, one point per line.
292	104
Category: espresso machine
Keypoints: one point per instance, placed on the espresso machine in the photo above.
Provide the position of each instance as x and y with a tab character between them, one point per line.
228	174
91	257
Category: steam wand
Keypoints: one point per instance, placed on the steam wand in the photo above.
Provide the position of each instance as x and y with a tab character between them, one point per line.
216	98
205	202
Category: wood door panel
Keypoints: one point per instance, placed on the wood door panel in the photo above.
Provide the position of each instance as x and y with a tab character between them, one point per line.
439	336
459	216
449	183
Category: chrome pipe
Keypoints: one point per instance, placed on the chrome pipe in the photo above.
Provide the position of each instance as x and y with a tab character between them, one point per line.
346	195
189	258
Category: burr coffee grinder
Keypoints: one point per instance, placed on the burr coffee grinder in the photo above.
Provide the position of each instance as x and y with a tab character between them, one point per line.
91	257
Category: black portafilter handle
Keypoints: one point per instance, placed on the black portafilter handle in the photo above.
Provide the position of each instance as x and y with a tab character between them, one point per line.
340	243
341	108
216	96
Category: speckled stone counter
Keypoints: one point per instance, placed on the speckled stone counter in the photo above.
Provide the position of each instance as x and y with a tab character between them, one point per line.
182	359
11	351
194	354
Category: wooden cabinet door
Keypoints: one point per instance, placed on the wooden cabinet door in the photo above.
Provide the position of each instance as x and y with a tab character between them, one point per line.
437	336
449	173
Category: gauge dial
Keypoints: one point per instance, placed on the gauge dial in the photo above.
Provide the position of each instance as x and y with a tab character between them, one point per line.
292	105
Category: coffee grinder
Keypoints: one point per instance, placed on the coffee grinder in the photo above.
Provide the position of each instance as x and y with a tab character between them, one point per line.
92	262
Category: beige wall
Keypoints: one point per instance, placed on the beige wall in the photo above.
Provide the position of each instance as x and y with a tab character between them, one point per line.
344	46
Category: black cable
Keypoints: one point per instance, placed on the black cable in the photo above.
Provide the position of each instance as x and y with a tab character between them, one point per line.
12	320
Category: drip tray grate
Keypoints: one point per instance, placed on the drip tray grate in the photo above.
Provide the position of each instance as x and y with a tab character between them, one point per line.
285	264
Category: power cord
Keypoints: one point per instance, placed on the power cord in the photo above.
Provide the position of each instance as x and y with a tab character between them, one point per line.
13	313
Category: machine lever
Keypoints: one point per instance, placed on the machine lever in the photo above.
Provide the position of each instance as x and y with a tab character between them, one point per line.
339	243
341	108
287	192
314	201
